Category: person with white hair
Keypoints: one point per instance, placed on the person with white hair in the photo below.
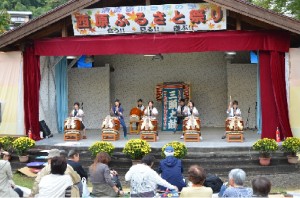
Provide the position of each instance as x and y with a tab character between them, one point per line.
171	169
236	187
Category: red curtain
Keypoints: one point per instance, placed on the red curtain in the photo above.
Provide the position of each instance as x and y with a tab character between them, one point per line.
273	95
32	77
164	43
271	44
277	65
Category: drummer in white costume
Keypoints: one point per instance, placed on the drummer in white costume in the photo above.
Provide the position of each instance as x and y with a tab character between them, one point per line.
232	111
191	110
151	111
78	113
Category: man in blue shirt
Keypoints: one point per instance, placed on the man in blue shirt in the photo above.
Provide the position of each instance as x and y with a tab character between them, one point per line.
117	111
171	169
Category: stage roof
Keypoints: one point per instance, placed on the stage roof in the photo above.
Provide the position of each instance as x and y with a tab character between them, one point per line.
57	22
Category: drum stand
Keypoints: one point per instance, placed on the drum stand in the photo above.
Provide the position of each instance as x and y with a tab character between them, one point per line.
133	131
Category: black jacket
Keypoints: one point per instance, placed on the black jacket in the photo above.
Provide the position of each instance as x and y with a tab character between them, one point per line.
78	168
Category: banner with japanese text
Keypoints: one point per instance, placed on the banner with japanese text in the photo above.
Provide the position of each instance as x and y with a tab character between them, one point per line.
149	19
171	98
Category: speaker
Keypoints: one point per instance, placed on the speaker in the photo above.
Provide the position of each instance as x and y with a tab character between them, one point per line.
46	131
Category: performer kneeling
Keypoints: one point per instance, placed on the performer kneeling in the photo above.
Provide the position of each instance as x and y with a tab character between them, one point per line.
78	113
151	111
232	111
117	111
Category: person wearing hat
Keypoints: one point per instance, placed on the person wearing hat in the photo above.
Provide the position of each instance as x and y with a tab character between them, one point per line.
47	170
171	169
73	160
78	113
117	110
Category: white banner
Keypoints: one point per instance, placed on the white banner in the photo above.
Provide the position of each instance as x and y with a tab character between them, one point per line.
149	19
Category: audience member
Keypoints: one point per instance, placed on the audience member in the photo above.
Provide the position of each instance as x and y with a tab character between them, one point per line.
236	187
261	187
196	176
6	184
171	169
47	170
73	160
144	180
57	183
100	176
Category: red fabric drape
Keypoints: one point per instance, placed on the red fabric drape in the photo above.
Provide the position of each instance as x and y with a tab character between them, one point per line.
273	95
32	77
277	64
164	43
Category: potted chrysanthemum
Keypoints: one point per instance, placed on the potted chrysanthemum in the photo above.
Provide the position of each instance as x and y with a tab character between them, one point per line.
136	149
101	146
291	145
21	146
6	142
265	147
180	149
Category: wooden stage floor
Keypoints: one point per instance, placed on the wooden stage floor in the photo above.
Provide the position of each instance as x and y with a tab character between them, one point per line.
211	139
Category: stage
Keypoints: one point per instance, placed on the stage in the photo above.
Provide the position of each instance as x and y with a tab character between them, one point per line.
211	139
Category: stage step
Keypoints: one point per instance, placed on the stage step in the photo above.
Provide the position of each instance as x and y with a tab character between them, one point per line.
215	160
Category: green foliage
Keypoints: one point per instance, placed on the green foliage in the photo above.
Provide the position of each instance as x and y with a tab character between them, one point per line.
4	21
101	146
22	144
265	146
6	142
287	7
22	180
137	148
291	145
179	148
37	7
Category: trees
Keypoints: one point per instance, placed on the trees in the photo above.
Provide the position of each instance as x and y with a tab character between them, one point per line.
4	21
37	7
288	7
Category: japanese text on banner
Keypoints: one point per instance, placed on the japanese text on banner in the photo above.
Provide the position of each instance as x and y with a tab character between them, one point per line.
149	19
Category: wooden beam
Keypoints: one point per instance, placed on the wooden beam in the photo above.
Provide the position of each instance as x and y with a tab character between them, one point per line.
261	14
238	24
43	21
56	27
251	21
64	29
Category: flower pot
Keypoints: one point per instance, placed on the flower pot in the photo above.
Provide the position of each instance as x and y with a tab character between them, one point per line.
24	158
292	159
264	161
135	162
